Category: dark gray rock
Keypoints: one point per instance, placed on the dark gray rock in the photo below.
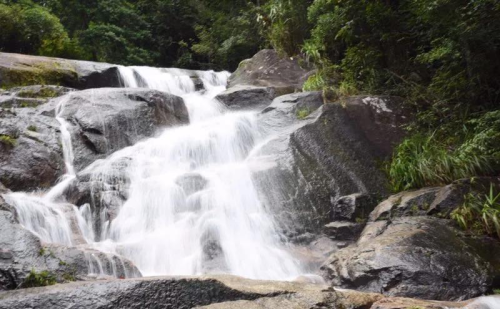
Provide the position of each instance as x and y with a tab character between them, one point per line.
268	69
355	207
247	96
33	159
108	119
343	230
21	252
420	257
314	161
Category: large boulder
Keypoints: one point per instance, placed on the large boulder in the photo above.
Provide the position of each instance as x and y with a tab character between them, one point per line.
107	119
320	154
421	257
30	151
25	260
24	70
268	69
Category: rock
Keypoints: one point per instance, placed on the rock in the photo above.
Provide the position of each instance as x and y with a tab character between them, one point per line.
354	207
343	230
108	119
30	96
421	257
247	96
21	70
30	154
268	69
191	183
214	292
21	252
313	161
408	203
296	102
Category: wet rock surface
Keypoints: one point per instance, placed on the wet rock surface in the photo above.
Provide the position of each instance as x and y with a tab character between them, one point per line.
420	257
30	96
30	150
22	252
214	292
268	69
105	120
247	96
324	155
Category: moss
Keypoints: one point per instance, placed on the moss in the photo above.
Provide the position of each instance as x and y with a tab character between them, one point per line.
302	113
35	279
25	104
40	74
32	128
44	92
42	251
7	140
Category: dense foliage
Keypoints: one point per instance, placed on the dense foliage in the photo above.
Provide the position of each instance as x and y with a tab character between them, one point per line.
187	33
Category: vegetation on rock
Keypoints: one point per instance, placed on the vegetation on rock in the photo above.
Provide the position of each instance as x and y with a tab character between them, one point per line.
480	213
38	279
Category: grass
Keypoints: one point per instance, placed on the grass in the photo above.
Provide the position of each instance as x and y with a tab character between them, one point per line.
7	140
480	214
43	278
426	161
496	291
302	113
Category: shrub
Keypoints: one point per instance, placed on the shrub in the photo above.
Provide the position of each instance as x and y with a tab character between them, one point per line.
43	278
480	213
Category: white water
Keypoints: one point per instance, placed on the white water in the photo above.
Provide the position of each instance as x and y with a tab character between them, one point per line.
191	208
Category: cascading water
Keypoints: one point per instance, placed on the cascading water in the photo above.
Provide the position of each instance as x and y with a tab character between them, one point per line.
191	206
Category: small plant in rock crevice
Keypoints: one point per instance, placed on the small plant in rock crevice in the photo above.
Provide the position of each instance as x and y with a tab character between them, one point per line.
480	214
35	279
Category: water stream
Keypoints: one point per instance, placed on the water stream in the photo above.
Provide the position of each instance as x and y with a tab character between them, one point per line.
191	206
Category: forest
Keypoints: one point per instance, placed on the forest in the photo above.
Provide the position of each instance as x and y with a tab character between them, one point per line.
442	56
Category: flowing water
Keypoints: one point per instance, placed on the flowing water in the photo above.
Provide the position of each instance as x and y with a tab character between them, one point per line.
191	206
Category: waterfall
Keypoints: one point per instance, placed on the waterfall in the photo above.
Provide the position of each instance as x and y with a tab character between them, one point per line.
191	207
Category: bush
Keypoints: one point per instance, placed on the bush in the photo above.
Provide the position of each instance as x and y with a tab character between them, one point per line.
480	214
447	154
